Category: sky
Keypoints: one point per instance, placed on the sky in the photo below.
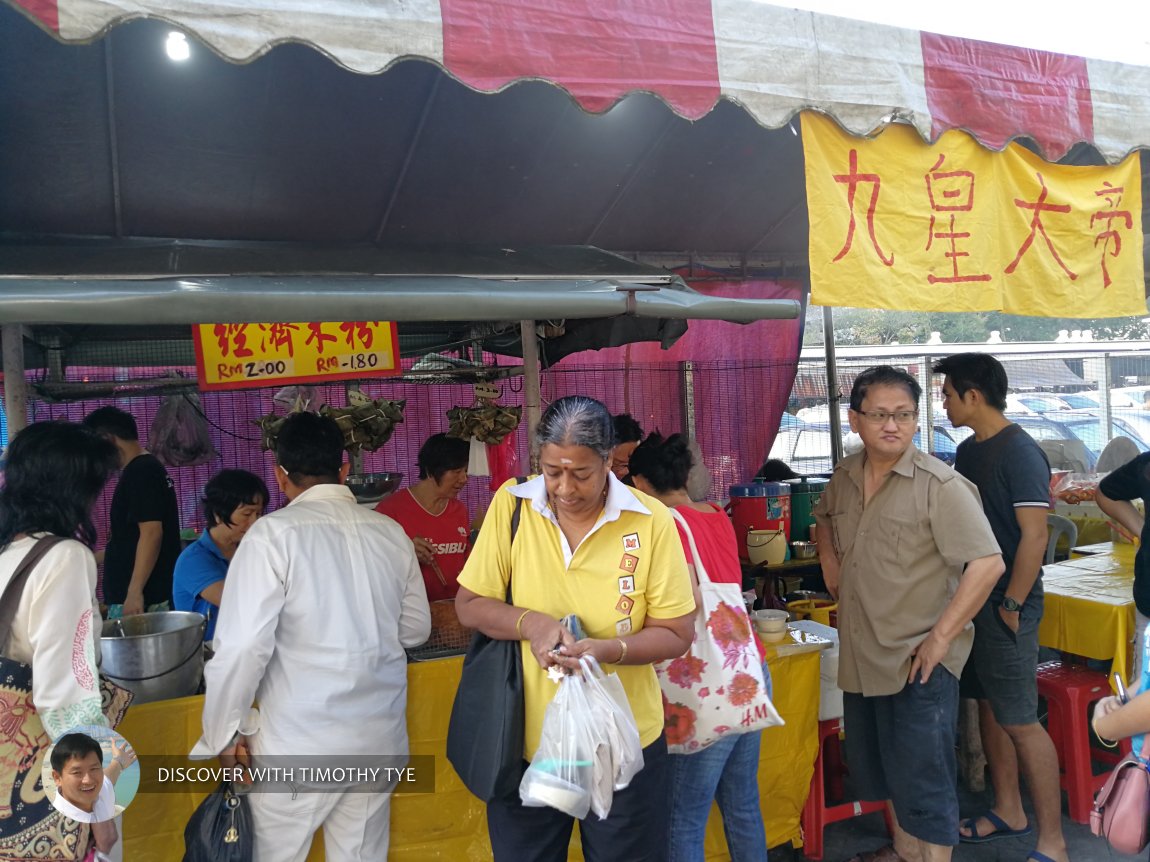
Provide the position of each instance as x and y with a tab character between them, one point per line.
1116	30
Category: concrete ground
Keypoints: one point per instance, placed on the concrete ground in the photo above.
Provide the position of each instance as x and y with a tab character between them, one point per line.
844	839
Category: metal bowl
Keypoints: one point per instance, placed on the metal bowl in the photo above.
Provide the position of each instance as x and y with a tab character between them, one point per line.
373	487
804	550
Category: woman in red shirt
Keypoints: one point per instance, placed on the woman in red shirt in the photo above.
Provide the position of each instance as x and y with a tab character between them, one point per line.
727	770
432	516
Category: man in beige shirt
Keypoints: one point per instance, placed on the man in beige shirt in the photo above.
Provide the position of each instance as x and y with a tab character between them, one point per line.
911	558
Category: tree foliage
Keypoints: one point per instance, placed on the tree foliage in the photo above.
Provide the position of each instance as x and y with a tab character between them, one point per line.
872	326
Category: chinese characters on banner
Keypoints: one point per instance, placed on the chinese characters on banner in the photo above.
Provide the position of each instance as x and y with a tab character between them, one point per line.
899	224
244	355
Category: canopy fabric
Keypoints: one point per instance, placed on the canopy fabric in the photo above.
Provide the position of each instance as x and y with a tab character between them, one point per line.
771	60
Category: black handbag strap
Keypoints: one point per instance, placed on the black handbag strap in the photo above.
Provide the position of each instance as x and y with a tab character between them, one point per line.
10	600
516	516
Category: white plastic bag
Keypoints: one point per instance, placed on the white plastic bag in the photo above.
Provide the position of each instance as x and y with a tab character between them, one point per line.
561	773
614	716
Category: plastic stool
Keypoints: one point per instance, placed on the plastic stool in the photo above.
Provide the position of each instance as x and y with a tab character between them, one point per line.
1069	691
817	814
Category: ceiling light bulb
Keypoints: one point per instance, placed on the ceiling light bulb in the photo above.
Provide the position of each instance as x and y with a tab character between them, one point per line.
177	46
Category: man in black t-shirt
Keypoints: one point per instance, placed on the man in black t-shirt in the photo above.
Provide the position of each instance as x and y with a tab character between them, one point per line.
1012	475
1129	482
144	528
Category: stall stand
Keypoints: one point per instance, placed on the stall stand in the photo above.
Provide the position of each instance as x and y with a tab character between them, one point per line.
451	824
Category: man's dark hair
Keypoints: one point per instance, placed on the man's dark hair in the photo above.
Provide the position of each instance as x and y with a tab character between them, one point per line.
227	491
309	448
53	473
440	454
882	375
627	430
114	422
74	746
664	462
979	371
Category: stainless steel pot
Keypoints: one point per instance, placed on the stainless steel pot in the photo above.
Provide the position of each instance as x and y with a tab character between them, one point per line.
158	656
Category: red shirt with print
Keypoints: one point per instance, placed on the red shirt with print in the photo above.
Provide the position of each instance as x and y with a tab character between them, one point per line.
447	532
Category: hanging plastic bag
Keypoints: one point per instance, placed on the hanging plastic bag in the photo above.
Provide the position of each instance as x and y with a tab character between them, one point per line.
180	436
615	718
561	773
503	461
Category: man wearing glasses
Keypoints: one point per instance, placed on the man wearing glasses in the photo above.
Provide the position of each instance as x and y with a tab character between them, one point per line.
907	551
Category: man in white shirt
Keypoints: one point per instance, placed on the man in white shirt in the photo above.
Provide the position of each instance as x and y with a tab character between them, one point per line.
85	790
321	599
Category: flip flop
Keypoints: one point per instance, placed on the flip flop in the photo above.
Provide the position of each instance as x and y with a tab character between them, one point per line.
1038	857
1002	830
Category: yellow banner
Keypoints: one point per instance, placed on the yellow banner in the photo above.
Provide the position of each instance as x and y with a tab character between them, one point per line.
243	355
899	224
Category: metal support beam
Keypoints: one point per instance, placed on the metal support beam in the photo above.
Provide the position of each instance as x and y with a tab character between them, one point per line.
531	396
15	385
926	416
687	383
833	397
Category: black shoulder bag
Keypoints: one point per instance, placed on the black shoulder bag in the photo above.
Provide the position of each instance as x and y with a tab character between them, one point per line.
485	736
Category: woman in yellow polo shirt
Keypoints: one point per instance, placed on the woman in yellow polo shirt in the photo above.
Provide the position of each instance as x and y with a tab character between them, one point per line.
587	545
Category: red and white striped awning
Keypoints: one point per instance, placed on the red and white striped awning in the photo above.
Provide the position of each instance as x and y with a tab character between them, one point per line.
771	60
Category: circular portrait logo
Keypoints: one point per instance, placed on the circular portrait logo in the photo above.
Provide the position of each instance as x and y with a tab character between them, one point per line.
90	774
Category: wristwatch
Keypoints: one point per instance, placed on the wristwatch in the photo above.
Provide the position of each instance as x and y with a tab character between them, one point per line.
1009	604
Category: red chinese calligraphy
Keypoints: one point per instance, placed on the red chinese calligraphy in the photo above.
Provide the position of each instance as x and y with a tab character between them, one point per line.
950	192
852	181
1039	207
1113	195
282	337
233	338
318	336
360	330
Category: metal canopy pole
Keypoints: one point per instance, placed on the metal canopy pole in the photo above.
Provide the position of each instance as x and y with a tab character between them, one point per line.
15	385
531	396
833	396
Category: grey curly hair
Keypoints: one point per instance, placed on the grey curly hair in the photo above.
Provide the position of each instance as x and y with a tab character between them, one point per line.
578	421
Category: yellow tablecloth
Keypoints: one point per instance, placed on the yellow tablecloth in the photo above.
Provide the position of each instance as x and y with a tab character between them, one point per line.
450	824
1090	604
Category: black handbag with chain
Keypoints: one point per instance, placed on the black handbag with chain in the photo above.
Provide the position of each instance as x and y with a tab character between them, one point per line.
220	830
485	736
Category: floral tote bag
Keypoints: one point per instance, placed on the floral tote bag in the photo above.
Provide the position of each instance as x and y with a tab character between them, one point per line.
717	688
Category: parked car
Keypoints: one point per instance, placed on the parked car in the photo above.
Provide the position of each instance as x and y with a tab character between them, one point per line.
1123	398
1080	425
1086	425
808	450
1035	402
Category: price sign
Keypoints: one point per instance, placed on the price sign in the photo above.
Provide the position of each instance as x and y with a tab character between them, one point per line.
244	355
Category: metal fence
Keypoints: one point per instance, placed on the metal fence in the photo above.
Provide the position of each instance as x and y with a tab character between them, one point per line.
1055	393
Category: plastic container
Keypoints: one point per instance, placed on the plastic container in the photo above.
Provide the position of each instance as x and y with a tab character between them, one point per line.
819	610
770	624
830	695
766	547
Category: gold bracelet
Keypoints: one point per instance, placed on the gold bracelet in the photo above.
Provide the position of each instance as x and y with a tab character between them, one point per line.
1103	740
519	624
623	654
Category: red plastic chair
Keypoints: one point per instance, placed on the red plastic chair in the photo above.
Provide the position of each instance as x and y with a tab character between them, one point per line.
829	770
1069	691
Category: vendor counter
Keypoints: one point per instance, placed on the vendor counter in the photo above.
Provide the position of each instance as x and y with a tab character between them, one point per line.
450	824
